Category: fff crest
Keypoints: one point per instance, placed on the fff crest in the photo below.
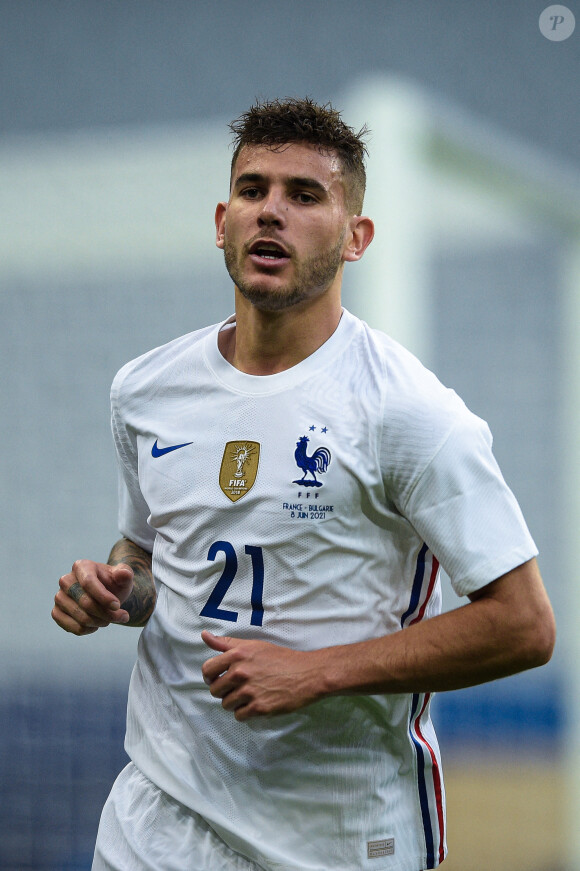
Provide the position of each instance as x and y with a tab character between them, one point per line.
239	468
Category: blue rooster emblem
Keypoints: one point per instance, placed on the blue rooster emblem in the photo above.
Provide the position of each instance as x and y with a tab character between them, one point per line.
318	462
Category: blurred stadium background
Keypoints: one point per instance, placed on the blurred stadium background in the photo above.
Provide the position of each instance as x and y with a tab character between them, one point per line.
113	153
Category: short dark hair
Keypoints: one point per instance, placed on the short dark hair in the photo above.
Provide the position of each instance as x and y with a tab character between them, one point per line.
275	123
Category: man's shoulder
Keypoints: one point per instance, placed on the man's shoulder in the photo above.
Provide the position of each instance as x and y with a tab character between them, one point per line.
405	379
417	411
156	365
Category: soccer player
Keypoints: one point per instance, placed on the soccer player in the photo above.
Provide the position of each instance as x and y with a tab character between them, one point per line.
290	482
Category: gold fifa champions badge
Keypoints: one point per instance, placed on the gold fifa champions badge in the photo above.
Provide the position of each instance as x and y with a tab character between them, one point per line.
239	468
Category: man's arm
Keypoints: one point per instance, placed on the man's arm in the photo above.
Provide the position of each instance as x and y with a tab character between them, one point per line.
507	627
141	602
91	594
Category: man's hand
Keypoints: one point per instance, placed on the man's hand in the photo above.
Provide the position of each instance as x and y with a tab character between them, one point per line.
91	596
257	678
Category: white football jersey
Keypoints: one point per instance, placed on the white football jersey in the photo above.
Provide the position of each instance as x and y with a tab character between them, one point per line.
307	508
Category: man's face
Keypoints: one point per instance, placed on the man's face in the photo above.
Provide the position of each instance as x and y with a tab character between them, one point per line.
283	229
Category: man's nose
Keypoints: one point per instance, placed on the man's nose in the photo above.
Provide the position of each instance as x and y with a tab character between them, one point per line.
273	209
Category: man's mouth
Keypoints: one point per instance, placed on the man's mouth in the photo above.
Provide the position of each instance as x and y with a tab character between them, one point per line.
268	252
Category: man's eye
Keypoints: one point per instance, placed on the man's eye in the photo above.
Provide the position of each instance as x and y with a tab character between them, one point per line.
250	193
305	198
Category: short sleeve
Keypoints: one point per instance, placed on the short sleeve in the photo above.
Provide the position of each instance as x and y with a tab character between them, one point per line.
133	510
463	509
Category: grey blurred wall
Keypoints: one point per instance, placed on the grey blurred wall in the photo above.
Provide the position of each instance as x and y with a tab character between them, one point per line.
80	63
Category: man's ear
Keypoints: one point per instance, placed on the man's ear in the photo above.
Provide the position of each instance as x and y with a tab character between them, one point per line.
220	224
359	237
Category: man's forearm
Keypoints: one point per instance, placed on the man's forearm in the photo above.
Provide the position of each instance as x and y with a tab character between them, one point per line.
141	602
507	629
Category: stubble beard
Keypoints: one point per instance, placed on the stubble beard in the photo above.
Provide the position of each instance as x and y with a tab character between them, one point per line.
312	278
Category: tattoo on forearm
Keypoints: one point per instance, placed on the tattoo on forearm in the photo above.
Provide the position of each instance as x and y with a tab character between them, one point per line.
141	602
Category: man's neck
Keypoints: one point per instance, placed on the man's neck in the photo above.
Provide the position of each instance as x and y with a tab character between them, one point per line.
264	343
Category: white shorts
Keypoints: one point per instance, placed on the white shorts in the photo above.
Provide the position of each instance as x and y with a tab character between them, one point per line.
143	829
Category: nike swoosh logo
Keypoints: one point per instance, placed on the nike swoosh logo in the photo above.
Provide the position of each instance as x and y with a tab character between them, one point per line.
158	452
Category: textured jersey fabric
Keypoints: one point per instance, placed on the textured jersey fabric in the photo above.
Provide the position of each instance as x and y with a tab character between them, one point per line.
307	508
